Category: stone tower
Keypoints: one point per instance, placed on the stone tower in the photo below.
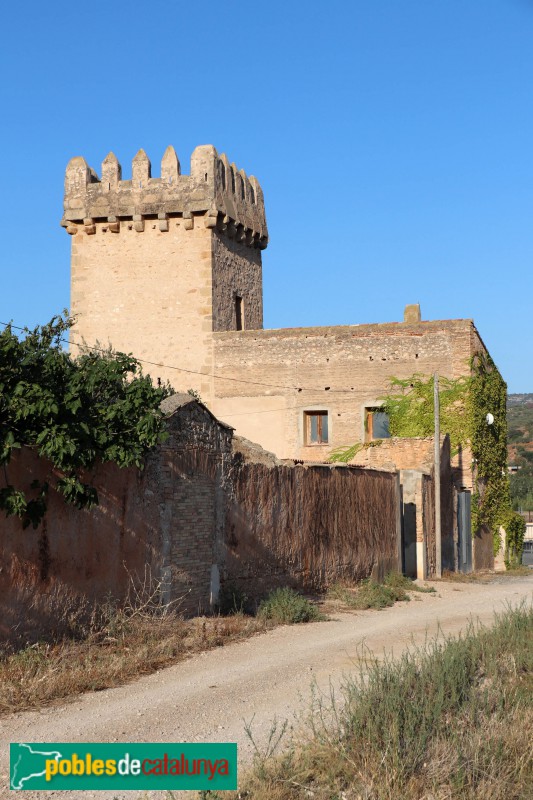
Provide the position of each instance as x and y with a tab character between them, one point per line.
159	264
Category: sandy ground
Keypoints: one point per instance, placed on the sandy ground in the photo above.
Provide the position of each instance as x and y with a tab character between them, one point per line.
210	696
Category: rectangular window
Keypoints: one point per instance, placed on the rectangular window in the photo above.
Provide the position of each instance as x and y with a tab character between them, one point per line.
239	314
316	427
376	424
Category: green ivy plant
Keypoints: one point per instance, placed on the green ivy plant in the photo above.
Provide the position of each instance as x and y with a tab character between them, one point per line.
409	406
515	529
491	500
71	411
464	404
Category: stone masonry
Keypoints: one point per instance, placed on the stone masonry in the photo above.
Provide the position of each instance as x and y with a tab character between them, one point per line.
169	269
158	264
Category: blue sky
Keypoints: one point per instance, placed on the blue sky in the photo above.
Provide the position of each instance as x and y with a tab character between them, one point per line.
393	141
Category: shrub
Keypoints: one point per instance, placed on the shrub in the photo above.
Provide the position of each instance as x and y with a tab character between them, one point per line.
515	527
287	606
398	581
452	719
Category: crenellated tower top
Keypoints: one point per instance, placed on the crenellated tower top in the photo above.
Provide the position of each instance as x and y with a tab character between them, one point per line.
215	190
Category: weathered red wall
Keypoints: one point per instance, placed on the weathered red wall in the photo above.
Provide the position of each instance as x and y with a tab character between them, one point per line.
74	554
162	526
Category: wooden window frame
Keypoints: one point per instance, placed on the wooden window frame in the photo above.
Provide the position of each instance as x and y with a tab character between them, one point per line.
320	414
369	423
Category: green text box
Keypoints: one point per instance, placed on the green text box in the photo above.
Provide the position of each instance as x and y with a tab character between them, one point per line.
84	765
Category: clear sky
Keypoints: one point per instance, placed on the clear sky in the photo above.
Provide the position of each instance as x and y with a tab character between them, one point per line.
393	140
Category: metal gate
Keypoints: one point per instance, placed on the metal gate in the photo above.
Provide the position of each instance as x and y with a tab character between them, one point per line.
464	527
527	553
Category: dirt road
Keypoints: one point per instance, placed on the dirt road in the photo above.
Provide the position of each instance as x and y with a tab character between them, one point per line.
208	697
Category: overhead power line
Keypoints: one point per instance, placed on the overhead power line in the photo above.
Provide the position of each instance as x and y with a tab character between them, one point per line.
192	371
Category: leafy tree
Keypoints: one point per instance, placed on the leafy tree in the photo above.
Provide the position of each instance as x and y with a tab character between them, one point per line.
72	411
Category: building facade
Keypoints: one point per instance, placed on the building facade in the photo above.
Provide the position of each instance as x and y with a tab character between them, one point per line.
170	269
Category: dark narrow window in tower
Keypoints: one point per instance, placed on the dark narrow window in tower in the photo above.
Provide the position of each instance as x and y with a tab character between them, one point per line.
252	194
243	196
232	181
222	175
239	314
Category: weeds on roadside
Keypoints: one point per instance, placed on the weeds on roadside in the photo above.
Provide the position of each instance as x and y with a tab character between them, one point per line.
369	594
451	720
111	646
233	600
398	581
285	606
115	644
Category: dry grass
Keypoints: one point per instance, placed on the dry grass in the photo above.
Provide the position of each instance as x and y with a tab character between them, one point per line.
110	645
368	594
486	576
451	722
100	647
124	649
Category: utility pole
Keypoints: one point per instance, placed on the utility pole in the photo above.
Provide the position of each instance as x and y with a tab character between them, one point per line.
438	536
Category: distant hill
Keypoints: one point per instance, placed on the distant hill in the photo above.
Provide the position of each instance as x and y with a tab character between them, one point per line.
520	449
519	400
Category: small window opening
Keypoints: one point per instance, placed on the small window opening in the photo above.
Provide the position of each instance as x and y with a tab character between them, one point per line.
205	178
252	194
376	424
222	175
316	427
243	196
239	314
232	181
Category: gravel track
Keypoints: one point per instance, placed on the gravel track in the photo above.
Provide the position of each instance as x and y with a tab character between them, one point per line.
209	696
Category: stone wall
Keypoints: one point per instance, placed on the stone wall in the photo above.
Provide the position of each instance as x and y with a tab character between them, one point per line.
236	271
157	262
397	453
149	294
341	370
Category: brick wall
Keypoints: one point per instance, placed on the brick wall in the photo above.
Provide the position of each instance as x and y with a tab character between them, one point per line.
167	519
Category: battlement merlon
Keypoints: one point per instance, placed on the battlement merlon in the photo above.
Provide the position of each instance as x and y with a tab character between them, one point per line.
216	190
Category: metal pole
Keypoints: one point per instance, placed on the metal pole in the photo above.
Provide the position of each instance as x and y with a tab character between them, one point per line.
438	537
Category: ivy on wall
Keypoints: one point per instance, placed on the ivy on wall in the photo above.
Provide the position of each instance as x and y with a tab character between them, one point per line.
491	501
464	405
409	406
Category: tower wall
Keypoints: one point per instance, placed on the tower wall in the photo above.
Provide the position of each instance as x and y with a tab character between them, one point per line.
148	294
237	272
158	264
